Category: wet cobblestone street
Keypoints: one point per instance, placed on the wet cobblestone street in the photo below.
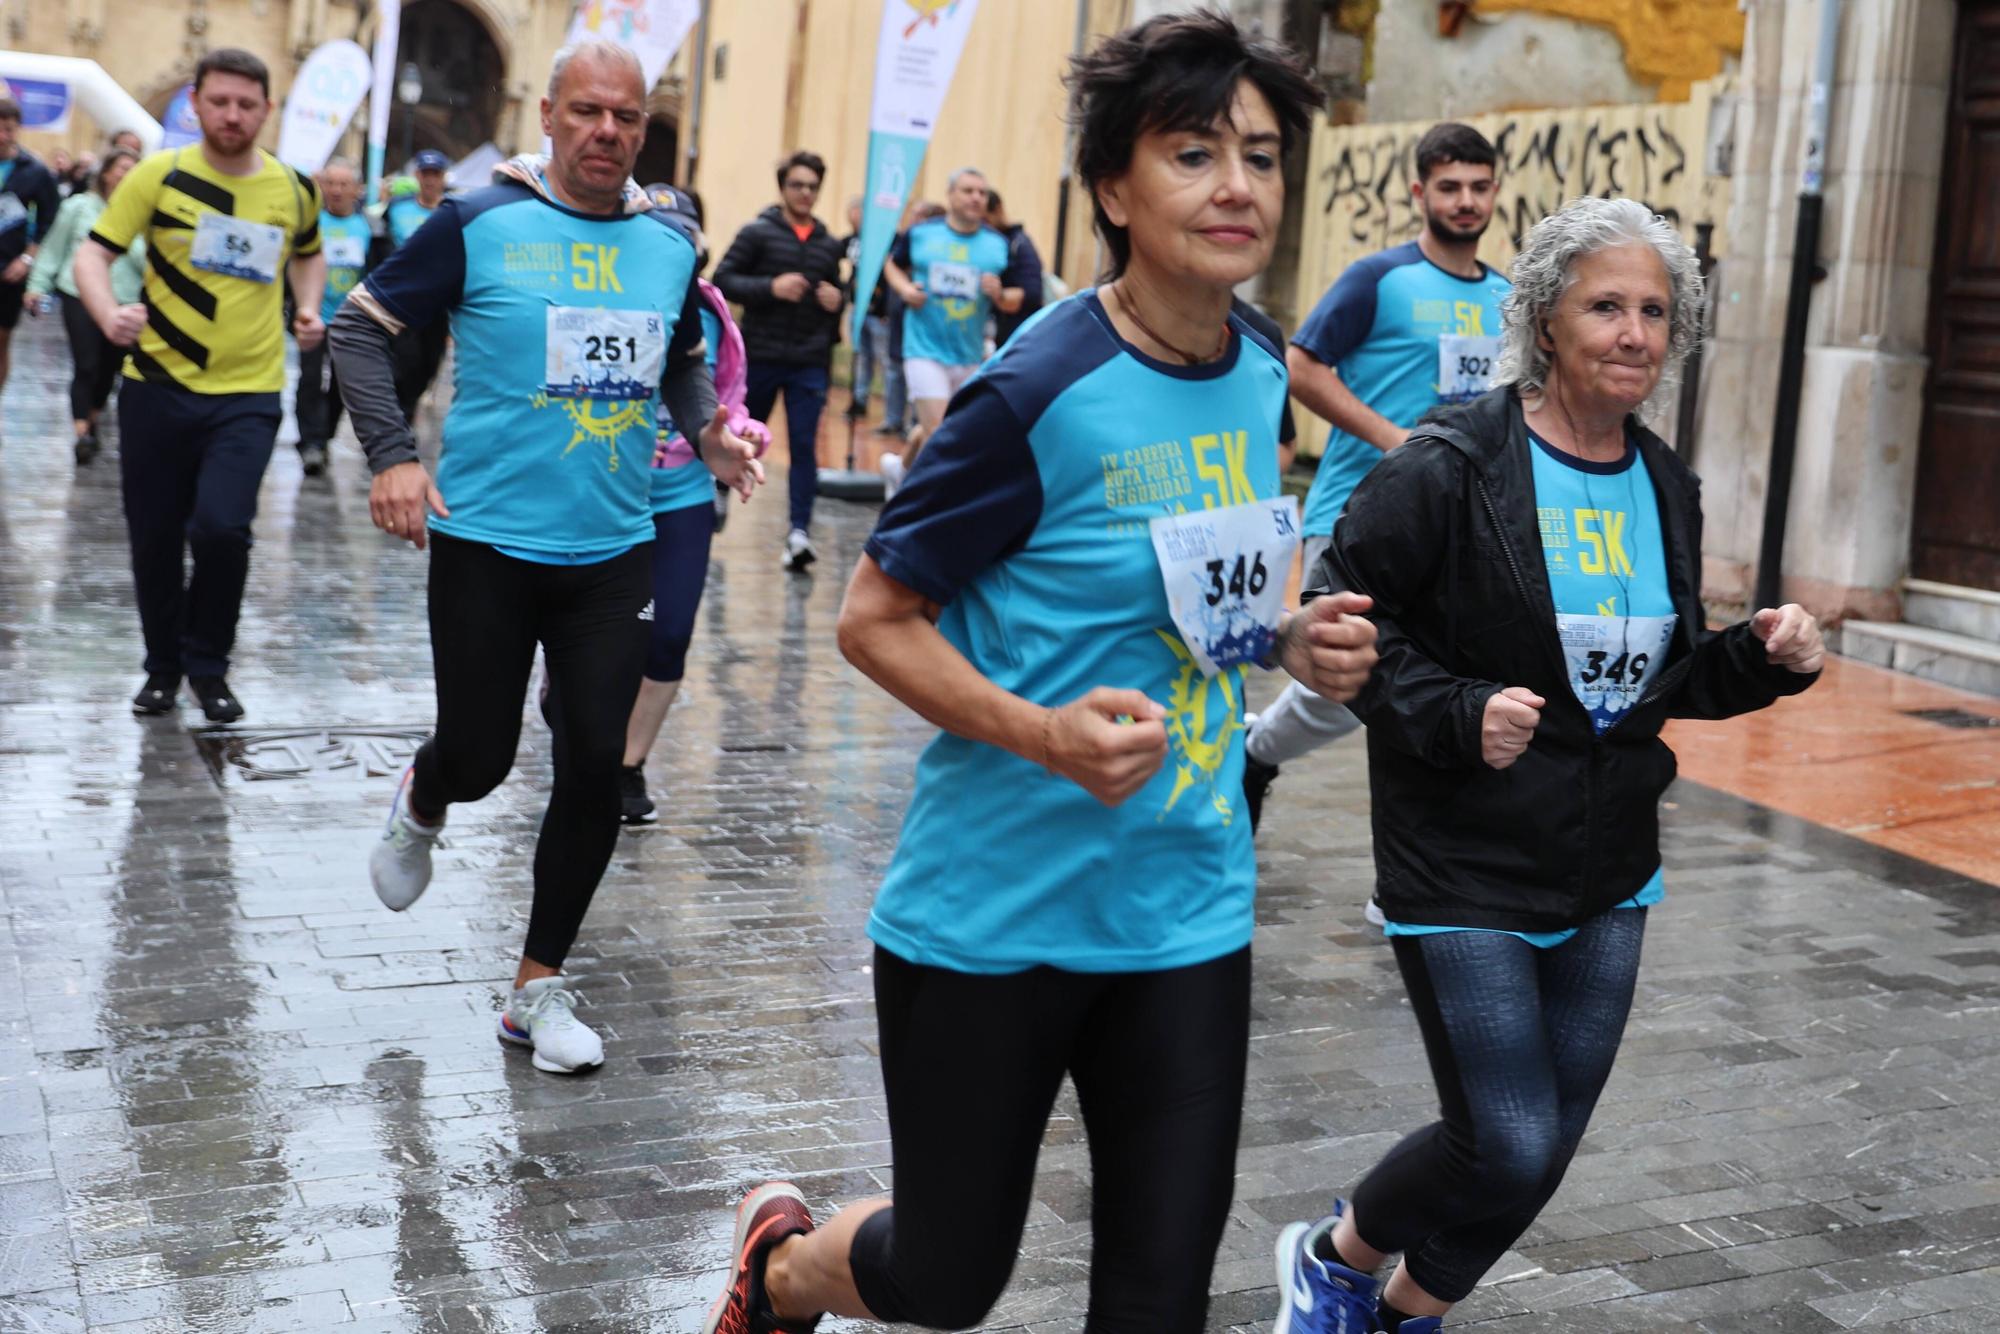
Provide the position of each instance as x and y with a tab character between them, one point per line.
237	1094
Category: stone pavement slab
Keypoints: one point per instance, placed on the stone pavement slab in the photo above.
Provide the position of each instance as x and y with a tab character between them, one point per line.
238	1095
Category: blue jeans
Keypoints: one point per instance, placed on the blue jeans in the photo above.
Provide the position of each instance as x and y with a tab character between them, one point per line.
805	397
873	352
1520	1041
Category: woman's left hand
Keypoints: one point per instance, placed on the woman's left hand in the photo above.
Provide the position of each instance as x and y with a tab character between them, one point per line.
1791	638
730	457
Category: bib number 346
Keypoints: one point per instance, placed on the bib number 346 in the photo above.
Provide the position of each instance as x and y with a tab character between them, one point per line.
1223	571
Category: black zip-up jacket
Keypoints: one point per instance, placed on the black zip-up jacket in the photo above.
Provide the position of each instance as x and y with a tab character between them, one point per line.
34	185
1442	534
792	333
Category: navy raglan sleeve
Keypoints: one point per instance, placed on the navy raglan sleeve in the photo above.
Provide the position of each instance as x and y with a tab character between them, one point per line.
1343	317
972	498
425	276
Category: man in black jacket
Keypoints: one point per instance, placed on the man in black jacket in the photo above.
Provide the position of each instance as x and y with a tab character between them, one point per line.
783	269
1026	261
28	204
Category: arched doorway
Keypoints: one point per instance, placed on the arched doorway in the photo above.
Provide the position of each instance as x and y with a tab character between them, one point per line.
660	155
464	82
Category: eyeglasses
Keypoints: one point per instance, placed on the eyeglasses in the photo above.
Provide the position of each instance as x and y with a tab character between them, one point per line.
810	187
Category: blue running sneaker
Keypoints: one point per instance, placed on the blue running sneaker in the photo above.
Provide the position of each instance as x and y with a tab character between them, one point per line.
1320	1296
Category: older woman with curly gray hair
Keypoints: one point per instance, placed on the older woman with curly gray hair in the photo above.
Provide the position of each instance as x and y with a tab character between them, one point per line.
1534	557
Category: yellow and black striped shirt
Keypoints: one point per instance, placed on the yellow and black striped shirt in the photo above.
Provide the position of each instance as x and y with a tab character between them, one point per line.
207	331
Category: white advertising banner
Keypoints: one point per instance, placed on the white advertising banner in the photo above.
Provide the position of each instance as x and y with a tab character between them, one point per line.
915	57
382	92
652	29
323	99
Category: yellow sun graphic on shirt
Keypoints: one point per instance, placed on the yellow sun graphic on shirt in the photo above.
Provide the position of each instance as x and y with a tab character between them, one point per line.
1197	755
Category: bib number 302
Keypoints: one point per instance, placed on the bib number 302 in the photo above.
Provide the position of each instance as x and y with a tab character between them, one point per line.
1223	571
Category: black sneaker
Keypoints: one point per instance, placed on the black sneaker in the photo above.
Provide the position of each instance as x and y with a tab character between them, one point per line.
87	448
217	702
1257	778
637	807
313	459
157	695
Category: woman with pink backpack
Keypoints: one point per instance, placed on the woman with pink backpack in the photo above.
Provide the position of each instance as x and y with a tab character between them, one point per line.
684	522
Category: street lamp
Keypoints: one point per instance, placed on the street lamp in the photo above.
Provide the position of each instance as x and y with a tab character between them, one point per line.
409	91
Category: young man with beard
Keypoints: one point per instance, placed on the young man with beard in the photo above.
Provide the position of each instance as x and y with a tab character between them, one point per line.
1401	332
225	223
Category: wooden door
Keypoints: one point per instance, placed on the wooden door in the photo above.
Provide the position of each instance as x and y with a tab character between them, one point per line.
1956	534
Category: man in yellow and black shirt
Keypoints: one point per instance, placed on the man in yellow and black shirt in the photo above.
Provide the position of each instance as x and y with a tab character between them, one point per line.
224	223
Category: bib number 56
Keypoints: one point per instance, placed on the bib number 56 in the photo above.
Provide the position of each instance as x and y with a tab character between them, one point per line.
1247	576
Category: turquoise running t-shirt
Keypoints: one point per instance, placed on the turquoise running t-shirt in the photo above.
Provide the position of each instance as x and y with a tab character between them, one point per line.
1026	517
344	242
948	264
404	216
691	483
1607	564
563	324
1405	336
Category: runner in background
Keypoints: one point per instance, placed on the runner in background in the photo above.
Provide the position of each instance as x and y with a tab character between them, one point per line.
94	361
198	416
28	202
346	237
1400	332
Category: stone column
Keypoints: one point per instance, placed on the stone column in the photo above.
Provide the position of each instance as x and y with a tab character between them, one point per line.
1847	541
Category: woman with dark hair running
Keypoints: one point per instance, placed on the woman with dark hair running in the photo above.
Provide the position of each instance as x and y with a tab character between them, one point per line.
1534	557
95	360
1070	583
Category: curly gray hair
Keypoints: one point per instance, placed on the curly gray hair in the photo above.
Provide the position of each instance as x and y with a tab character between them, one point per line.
1544	270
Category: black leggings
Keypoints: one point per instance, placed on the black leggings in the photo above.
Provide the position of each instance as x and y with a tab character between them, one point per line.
488	611
94	359
972	1064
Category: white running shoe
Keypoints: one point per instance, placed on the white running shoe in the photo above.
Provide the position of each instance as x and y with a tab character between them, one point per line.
1373	912
400	866
892	475
799	551
542	1015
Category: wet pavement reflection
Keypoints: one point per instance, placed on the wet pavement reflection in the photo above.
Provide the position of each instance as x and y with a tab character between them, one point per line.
239	1095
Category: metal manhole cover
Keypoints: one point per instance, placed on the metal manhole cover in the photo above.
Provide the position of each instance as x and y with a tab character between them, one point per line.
258	754
1963	718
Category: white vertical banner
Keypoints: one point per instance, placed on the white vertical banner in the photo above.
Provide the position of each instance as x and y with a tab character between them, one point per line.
323	99
915	57
382	95
651	29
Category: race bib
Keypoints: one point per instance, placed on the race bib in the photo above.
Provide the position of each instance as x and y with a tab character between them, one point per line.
1465	366
345	252
958	281
1225	575
614	354
13	213
1612	658
238	247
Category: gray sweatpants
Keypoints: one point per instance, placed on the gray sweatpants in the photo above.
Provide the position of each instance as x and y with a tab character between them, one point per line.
1299	721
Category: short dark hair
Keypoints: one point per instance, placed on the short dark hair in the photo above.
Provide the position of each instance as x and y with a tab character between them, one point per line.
1448	141
233	60
812	162
1173	72
9	108
112	157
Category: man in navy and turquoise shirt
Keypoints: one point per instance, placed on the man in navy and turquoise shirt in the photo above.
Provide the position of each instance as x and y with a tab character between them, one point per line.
573	304
1401	331
345	239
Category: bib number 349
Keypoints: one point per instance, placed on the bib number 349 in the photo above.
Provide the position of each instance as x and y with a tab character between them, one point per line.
1224	571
